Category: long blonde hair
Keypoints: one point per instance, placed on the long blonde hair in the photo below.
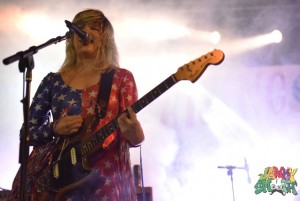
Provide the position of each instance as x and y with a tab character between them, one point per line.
108	56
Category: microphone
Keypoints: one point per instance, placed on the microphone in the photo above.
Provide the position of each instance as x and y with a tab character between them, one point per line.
247	169
85	37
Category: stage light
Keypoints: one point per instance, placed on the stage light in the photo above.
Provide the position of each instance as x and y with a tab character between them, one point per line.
244	44
215	37
276	36
266	39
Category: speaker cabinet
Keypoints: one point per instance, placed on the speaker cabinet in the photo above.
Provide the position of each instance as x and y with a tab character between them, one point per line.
138	185
4	195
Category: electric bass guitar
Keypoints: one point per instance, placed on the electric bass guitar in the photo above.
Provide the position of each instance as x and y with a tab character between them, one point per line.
70	168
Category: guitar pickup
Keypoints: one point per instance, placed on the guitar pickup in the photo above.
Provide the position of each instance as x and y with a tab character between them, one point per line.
55	171
73	156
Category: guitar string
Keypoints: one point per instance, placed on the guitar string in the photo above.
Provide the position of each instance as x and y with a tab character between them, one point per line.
65	144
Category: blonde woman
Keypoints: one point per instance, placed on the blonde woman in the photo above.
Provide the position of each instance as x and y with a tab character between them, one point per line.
70	160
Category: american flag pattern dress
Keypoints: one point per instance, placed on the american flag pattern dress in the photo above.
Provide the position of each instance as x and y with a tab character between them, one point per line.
113	163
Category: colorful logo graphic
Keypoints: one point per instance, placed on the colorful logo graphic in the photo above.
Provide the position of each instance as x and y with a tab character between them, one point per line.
277	180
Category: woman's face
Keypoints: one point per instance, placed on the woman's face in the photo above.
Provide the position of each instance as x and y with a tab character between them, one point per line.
90	49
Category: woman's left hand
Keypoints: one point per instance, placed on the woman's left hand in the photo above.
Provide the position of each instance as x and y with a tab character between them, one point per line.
131	127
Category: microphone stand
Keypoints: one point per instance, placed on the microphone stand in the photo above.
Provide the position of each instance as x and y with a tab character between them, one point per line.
230	173
26	62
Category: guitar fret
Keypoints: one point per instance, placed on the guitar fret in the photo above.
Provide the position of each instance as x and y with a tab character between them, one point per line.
115	124
94	140
102	135
150	96
98	136
157	91
106	133
111	127
84	149
169	82
143	102
89	145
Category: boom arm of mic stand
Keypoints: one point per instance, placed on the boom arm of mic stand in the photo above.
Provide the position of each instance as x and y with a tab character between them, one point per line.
34	49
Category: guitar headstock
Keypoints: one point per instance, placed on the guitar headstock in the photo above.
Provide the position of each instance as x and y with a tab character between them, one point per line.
194	69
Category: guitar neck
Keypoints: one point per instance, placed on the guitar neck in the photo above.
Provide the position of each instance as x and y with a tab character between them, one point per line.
154	93
98	137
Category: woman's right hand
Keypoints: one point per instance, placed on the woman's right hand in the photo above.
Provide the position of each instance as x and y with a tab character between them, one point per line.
67	125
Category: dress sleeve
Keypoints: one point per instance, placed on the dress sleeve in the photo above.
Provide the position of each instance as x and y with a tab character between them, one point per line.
40	128
128	95
128	91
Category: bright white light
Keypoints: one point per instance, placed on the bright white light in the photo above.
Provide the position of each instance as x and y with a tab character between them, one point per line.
215	37
153	30
206	36
276	36
158	30
40	26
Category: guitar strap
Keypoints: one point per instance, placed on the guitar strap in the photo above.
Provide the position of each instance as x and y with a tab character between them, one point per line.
103	94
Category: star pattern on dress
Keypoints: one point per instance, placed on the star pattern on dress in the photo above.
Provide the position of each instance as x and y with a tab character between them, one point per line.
107	164
109	114
35	136
129	98
116	157
38	107
33	121
113	99
125	79
90	110
131	84
93	94
104	198
73	90
64	86
116	191
69	199
107	182
72	102
98	191
47	90
45	134
56	83
40	95
54	109
114	87
123	90
61	97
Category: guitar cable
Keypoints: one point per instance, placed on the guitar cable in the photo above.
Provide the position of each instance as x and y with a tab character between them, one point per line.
142	176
